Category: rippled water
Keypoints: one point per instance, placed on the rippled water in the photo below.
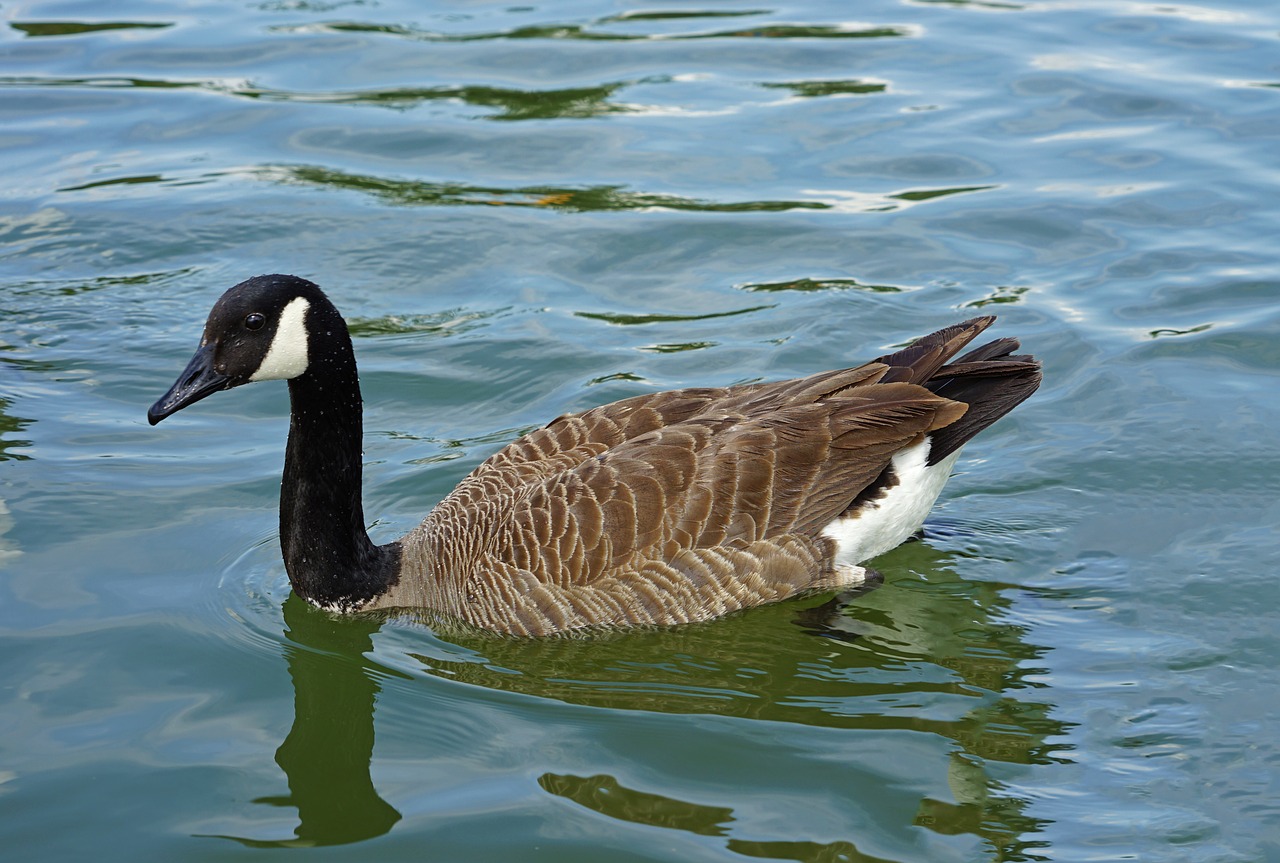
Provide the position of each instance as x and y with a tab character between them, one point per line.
531	209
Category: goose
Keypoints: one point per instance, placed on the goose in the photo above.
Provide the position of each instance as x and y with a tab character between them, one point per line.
656	510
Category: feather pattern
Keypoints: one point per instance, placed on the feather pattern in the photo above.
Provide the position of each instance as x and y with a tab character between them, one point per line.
655	510
686	505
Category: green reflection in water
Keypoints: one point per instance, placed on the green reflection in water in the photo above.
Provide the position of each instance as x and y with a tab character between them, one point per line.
617	376
930	194
512	104
139	179
73	28
327	754
588	33
948	632
589	199
677	347
677	15
603	794
111	82
567	103
977	4
11	425
1169	331
1002	295
931	653
814	89
807	284
447	322
629	320
72	288
926	652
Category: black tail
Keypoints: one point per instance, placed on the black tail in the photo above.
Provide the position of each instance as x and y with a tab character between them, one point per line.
990	379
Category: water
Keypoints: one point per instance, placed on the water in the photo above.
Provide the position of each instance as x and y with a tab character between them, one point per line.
531	209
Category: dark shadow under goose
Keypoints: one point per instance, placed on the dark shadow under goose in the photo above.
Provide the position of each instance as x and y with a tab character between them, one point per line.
655	510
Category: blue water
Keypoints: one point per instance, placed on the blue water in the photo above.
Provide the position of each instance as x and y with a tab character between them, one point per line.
530	209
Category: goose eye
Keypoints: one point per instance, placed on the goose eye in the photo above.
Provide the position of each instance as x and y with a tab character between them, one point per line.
254	321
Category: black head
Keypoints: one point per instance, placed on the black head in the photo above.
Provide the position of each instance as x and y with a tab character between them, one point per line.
260	330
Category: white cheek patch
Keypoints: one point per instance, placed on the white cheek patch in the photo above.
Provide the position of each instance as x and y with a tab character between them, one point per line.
287	357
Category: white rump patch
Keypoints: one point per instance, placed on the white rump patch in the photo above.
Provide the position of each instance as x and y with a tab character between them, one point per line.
287	357
887	522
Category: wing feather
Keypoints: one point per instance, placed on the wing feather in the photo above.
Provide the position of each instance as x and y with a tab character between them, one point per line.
686	504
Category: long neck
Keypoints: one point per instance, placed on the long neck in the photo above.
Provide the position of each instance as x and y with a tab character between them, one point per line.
328	554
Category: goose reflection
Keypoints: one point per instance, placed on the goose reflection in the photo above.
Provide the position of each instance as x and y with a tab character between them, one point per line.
328	752
603	794
927	652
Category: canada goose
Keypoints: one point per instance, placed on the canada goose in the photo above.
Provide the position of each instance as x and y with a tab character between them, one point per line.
658	509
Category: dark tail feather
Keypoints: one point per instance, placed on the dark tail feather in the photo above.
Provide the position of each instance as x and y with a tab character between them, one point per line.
992	381
991	350
920	360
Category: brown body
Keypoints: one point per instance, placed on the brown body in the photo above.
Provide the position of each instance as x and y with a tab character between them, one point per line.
677	506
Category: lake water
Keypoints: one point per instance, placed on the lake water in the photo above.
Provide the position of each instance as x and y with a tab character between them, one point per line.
529	209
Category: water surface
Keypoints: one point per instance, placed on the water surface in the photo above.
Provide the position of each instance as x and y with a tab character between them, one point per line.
530	209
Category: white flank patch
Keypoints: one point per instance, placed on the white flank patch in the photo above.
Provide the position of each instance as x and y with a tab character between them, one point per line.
887	522
287	357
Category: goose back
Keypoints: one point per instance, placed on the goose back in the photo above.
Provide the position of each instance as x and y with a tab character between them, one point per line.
685	505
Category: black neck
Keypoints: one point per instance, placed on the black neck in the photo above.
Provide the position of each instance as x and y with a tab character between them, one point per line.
327	552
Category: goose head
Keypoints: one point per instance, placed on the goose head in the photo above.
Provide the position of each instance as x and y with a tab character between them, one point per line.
262	329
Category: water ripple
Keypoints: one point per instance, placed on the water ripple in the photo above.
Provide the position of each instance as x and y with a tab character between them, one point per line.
590	32
589	199
76	28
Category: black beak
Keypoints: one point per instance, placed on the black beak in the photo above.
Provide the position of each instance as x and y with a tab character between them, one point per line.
197	380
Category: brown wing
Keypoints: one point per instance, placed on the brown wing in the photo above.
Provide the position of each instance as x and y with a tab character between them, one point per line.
664	514
712	498
569	439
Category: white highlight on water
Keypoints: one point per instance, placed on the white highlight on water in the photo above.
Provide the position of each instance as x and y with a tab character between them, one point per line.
287	357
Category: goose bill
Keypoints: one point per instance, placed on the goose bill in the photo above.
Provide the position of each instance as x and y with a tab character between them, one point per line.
197	380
